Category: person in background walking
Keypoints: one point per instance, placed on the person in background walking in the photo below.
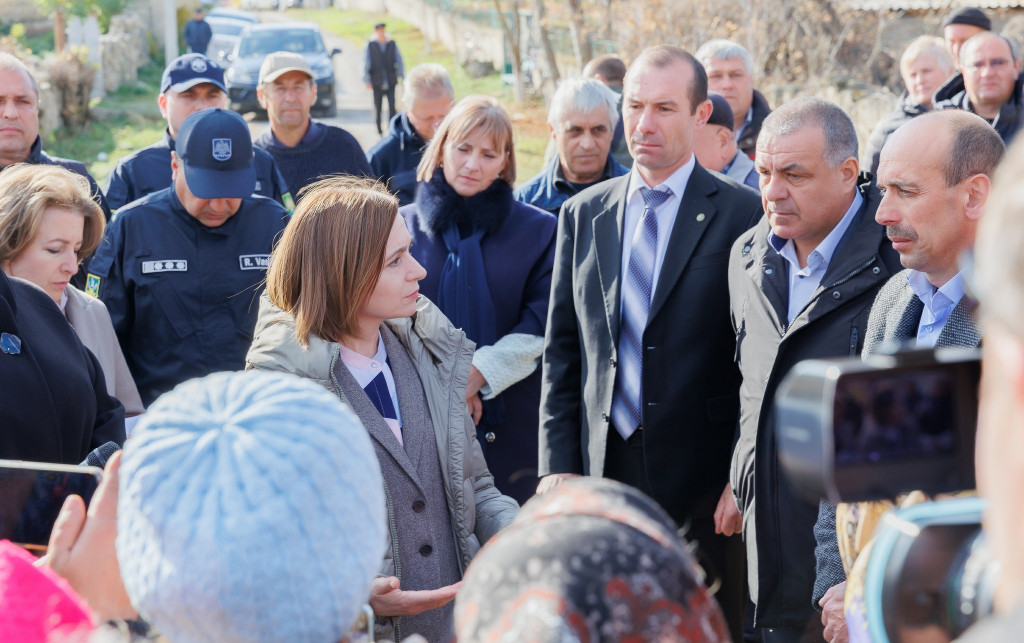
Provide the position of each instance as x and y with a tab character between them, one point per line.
198	33
382	70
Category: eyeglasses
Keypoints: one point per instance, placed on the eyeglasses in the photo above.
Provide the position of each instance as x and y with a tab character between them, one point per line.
996	64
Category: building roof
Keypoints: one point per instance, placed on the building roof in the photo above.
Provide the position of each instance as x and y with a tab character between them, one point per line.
927	5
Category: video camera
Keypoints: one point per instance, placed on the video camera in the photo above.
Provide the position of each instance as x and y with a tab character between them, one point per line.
851	430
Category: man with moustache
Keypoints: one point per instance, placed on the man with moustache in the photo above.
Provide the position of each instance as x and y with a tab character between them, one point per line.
934	176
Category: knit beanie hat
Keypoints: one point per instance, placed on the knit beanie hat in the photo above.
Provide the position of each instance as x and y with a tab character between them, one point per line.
967	16
251	509
37	605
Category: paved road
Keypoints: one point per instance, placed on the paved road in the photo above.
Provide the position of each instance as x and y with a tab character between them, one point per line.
355	101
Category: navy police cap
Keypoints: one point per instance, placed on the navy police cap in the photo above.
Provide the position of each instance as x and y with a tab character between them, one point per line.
215	148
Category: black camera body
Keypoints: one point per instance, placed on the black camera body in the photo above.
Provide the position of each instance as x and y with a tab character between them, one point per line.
851	430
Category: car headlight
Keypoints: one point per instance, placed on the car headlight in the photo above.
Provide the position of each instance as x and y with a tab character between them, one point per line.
231	75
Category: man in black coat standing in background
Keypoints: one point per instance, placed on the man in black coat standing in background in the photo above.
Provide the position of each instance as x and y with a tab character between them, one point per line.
382	69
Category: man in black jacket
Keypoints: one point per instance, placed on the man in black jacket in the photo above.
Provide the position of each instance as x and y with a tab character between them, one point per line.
989	84
382	70
428	97
19	125
801	284
731	73
198	33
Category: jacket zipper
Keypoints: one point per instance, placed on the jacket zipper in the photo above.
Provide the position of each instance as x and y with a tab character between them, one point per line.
775	463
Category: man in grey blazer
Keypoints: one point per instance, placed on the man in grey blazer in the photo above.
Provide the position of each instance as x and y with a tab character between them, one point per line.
639	383
934	173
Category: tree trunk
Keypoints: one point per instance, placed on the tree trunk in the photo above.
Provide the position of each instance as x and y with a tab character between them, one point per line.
580	35
60	38
512	38
609	21
549	67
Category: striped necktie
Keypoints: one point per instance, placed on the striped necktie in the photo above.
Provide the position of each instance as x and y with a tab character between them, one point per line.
638	286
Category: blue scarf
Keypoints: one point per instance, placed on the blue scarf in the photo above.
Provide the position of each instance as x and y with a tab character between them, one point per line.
462	223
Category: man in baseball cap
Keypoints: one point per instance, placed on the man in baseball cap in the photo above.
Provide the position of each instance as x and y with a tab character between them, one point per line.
716	149
215	154
304	149
180	268
190	83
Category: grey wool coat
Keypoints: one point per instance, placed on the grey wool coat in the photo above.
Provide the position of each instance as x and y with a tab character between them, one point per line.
894	318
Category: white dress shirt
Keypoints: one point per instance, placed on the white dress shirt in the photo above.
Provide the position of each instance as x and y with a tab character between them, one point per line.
365	369
938	304
665	215
804	281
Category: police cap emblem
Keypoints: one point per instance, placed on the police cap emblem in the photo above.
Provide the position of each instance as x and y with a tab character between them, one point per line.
222	149
198	65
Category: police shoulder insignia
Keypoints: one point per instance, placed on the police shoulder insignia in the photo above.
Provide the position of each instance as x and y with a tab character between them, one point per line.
92	285
289	202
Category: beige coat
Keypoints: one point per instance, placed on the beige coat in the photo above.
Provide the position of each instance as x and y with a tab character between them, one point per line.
90	319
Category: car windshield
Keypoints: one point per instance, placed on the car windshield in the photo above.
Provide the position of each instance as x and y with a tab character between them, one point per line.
299	41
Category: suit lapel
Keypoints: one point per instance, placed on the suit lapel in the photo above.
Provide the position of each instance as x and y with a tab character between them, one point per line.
607	230
372	421
696	213
910	319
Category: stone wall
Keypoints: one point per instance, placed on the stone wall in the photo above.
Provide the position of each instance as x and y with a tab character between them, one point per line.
124	47
865	104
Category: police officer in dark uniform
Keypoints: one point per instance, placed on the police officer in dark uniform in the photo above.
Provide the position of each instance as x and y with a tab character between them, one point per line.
190	83
181	270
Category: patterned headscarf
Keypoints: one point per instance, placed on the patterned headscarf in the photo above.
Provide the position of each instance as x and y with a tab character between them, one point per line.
594	560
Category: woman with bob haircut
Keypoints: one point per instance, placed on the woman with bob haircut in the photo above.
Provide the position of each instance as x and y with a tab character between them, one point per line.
488	260
343	308
49	223
58	396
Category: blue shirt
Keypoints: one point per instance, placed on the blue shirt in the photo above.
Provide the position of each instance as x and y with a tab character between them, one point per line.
549	189
182	296
804	281
938	304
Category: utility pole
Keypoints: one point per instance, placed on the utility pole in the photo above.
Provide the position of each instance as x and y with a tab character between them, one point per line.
170	31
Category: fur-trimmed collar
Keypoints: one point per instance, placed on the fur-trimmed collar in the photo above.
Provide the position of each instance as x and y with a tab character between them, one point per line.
440	206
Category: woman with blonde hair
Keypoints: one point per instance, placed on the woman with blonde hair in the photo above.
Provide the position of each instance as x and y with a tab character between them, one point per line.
488	260
54	405
343	308
49	223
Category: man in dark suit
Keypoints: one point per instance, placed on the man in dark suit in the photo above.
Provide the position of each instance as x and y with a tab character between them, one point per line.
639	383
934	171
